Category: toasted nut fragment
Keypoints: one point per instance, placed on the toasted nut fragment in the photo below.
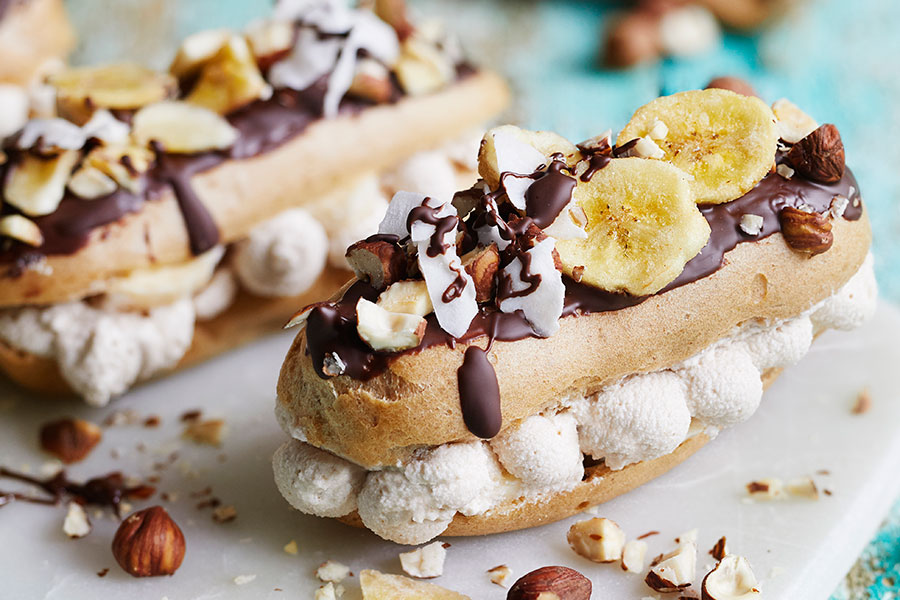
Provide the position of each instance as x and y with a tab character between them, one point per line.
76	524
766	489
408	297
863	402
149	543
291	548
642	147
599	540
333	571
752	224
482	265
499	575
210	431
196	50
735	84
632	39
182	128
70	440
82	90
807	232
230	79
793	124
224	514
379	263
820	155
326	592
89	183
803	487
382	586
270	41
784	170
676	570
633	555
393	12
719	551
422	68
36	185
599	144
372	81
388	331
549	583
124	163
22	229
731	579
424	562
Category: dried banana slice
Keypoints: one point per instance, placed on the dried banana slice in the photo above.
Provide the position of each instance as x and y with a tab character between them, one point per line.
643	226
36	185
230	79
724	140
182	128
82	90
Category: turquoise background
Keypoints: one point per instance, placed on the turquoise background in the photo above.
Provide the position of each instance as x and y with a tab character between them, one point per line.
838	60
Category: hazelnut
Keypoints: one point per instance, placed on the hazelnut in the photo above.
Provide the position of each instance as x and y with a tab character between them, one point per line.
675	571
632	39
731	579
482	265
820	155
149	543
560	583
599	540
807	232
379	263
70	440
734	84
720	550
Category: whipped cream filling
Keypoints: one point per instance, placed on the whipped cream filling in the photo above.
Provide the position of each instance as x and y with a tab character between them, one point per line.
101	353
642	417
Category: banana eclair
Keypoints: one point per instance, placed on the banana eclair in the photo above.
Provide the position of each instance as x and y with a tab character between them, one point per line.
162	217
580	321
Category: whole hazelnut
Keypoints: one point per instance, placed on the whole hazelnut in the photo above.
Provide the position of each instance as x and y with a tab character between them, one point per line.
633	39
70	440
734	84
149	543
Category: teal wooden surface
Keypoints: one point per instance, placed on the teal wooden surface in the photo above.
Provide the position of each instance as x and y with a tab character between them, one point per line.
836	59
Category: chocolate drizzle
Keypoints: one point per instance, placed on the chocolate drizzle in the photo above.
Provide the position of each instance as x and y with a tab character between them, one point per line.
595	163
479	394
549	194
108	491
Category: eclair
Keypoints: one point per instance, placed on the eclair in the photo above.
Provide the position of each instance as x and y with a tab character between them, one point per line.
578	322
160	218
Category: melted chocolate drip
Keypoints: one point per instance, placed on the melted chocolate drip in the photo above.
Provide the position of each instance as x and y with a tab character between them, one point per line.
479	394
442	225
108	491
177	171
549	194
595	163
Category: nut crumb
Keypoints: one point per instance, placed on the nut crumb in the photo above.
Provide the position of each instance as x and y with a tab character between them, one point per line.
863	402
751	224
291	548
244	579
719	551
224	514
784	170
424	562
103	572
210	432
76	524
499	575
332	571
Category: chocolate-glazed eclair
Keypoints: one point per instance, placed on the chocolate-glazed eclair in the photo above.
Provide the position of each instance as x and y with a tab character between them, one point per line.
580	321
161	218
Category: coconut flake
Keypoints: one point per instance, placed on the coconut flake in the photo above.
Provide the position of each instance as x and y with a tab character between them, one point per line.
106	128
568	225
394	221
310	59
57	134
516	160
543	306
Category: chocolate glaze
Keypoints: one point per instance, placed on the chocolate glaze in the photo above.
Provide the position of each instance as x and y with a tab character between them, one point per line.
333	329
479	394
109	490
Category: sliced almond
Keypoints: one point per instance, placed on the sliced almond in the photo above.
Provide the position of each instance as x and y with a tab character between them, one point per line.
230	79
22	229
82	90
36	185
388	331
89	183
196	50
182	128
408	297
